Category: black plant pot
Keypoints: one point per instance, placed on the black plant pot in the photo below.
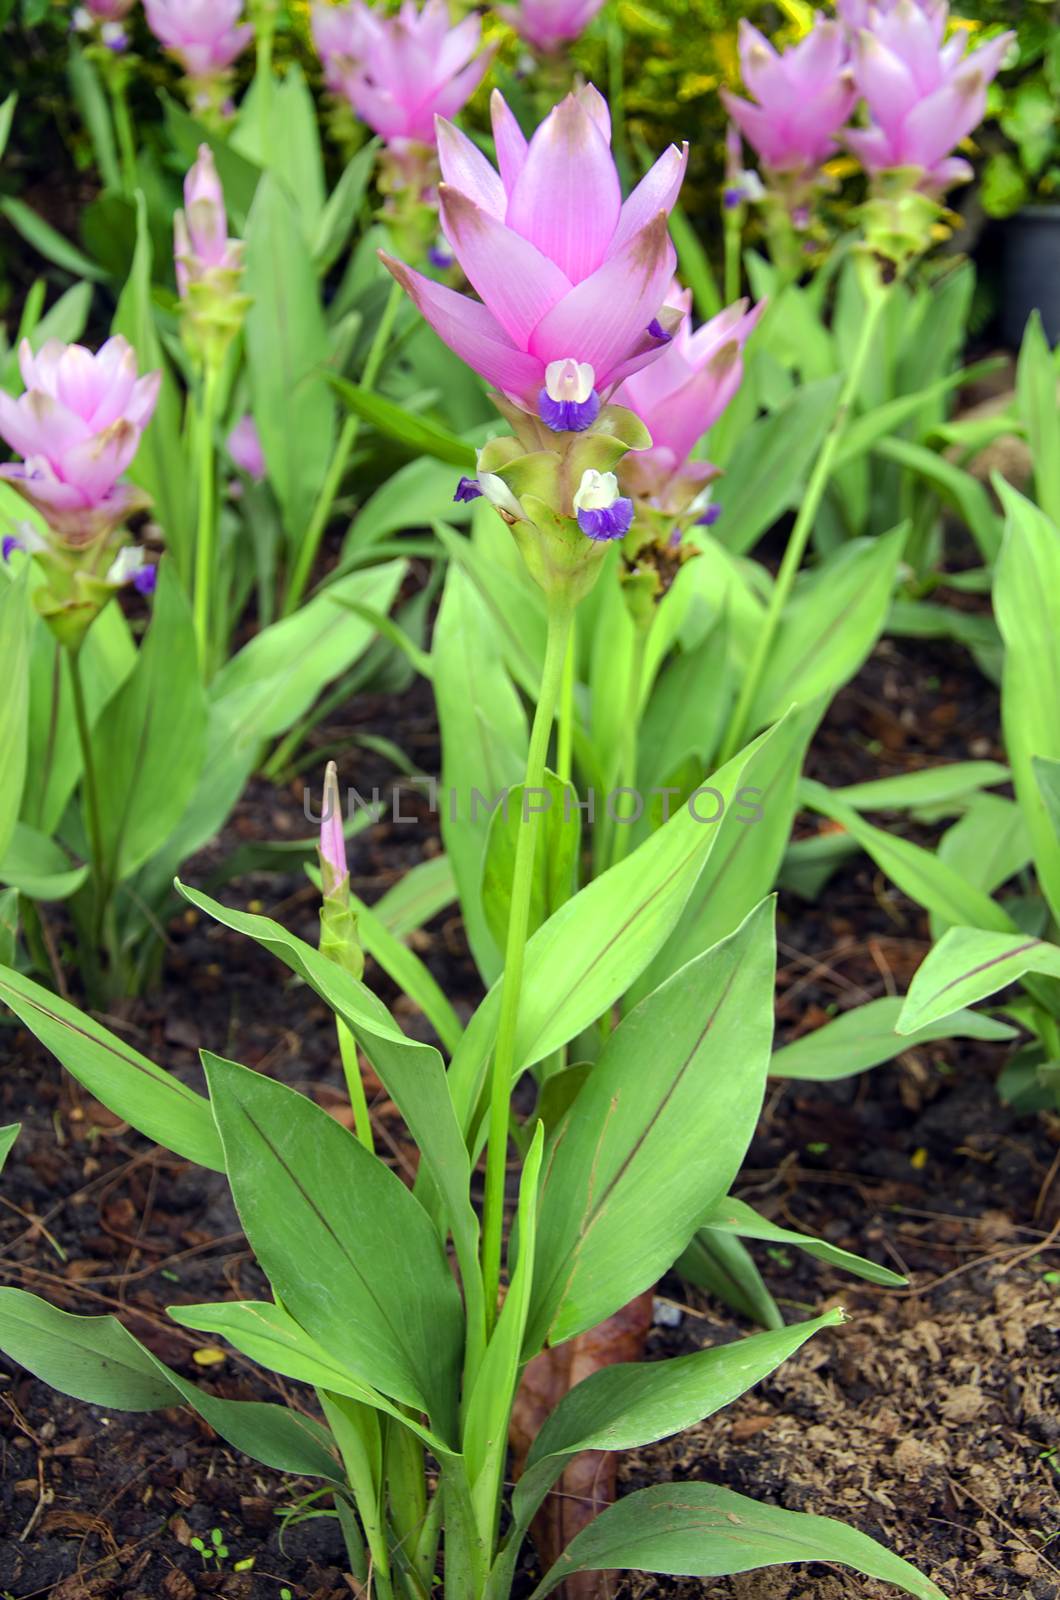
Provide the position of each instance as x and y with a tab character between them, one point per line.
1031	272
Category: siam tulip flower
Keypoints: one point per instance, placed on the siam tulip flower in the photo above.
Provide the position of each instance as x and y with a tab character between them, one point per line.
204	35
804	96
572	282
603	512
244	446
407	68
208	263
338	919
78	427
333	863
682	395
857	14
923	96
131	566
546	25
339	34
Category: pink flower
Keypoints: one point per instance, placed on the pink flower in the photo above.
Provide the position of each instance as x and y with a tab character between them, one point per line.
570	279
78	427
547	24
804	96
200	232
924	96
339	33
202	34
410	68
682	395
332	839
244	446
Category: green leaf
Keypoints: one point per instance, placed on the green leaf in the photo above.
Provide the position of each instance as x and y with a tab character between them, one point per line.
348	1249
92	104
866	1035
416	434
554	863
97	1360
987	846
968	964
829	625
7	115
239	176
1027	607
886	419
592	951
931	786
38	867
426	889
412	1073
415	496
142	1094
43	238
8	926
701	1531
287	348
1048	776
160	467
15	619
918	873
484	744
343	206
721	1265
629	1405
626	1180
8	1136
954	487
765	473
411	975
694	265
734	1217
267	1335
1036	380
149	743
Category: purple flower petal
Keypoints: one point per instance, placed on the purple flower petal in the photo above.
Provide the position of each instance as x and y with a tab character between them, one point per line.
9	544
611	522
467	489
568	416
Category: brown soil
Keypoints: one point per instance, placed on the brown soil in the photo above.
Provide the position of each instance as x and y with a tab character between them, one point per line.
927	1422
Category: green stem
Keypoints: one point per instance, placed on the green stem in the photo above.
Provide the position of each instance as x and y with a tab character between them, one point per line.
307	552
733	226
627	778
94	815
565	736
205	552
804	522
560	618
124	129
351	1069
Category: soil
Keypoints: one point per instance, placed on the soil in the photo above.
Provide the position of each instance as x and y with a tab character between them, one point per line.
927	1421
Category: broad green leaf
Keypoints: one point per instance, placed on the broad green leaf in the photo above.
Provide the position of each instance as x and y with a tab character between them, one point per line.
97	1360
918	873
416	434
15	624
48	242
8	1136
723	1266
632	1404
38	867
239	176
865	1036
592	951
953	486
829	625
752	836
739	1220
695	268
765	473
287	348
555	861
887	419
626	1179
8	926
928	787
484	744
149	743
92	104
160	467
1036	383
134	1088
348	1249
415	496
412	1073
1027	607
266	1334
1048	776
7	116
968	964
512	600
987	846
701	1531
411	975
667	735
